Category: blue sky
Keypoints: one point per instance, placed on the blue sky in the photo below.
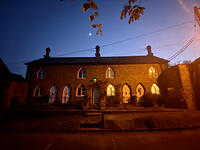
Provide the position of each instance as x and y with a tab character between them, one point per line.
28	27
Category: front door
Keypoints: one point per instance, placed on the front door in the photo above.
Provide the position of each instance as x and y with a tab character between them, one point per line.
96	95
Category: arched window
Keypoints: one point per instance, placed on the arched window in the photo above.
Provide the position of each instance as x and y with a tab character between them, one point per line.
139	92
155	89
153	72
126	94
110	90
41	74
38	91
66	94
110	73
52	94
81	91
82	73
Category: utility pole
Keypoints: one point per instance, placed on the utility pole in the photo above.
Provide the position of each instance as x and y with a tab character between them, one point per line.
197	14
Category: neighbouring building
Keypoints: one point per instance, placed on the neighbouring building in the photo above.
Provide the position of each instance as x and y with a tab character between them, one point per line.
94	81
13	88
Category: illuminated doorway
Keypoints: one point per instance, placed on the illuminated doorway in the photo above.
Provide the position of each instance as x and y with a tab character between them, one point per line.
126	94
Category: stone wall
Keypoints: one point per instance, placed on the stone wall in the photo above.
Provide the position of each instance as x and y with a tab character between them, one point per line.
177	81
188	92
16	91
61	75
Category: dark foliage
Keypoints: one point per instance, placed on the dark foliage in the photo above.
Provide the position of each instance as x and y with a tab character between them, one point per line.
149	100
172	101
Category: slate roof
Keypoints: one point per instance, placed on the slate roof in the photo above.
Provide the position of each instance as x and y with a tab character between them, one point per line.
98	60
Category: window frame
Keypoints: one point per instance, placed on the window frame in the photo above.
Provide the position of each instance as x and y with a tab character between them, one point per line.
153	72
110	90
56	93
69	93
40	91
41	74
156	89
77	91
109	72
83	75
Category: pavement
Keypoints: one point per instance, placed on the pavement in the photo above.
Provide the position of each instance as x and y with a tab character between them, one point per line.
79	121
168	140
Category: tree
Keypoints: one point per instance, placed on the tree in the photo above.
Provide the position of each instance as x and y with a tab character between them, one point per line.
133	10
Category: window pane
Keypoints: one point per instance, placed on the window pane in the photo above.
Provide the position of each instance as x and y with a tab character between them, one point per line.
155	89
37	92
110	90
110	73
79	91
82	73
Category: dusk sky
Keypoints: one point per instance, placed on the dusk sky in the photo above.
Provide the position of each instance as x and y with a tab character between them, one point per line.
28	27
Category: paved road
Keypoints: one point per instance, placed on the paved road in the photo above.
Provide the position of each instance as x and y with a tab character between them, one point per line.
173	140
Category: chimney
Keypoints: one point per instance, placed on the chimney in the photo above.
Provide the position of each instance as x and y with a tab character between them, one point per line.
149	51
97	54
47	53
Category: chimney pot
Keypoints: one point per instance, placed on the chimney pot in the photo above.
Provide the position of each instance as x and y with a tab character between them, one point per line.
97	54
47	52
149	51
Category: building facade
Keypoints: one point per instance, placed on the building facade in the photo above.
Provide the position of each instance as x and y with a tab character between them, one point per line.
13	89
94	81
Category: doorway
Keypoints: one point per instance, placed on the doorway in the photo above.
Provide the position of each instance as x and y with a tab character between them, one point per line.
96	95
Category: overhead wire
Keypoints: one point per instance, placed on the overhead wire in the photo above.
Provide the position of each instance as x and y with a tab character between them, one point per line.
145	34
117	42
182	49
78	51
186	45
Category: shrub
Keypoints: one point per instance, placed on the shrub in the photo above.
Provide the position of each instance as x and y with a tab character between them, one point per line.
173	101
149	100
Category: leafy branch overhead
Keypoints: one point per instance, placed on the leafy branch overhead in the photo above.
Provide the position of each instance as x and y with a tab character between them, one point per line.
90	4
132	10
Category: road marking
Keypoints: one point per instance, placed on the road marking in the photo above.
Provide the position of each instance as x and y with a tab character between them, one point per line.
48	146
114	144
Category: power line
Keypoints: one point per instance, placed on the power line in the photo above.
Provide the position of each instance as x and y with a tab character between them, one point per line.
121	41
145	34
182	49
78	51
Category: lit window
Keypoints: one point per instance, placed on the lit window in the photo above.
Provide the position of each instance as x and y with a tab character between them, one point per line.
110	90
153	72
41	74
38	91
126	94
82	73
81	91
155	89
110	73
66	94
139	92
52	94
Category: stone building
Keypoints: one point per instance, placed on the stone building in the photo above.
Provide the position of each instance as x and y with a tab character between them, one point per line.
13	88
94	81
182	81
